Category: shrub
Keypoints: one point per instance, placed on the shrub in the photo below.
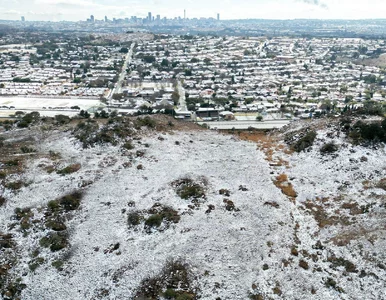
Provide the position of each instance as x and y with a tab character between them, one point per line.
373	132
146	121
69	169
55	241
174	279
187	188
35	263
329	148
2	201
58	264
71	201
303	264
26	149
56	224
304	142
62	119
128	145
15	185
11	163
154	220
134	219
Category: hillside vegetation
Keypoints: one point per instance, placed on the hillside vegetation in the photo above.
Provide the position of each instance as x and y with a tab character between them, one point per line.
152	208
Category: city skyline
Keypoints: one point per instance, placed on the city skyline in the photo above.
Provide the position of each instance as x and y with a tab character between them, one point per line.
71	10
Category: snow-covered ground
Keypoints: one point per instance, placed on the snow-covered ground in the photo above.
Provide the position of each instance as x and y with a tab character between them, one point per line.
231	254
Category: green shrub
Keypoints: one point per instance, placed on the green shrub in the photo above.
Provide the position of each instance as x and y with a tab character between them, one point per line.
134	219
71	201
372	132
26	149
187	189
329	148
154	220
304	142
56	224
15	185
146	121
170	294
12	163
35	263
58	264
53	205
128	146
69	169
55	241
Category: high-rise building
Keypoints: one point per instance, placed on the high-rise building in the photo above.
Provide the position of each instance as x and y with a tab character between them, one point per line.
158	18
106	20
92	18
23	19
218	17
184	13
149	18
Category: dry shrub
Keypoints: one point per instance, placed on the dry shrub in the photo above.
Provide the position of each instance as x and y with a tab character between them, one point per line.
286	187
322	217
69	169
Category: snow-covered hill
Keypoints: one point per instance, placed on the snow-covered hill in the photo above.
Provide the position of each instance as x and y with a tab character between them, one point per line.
191	214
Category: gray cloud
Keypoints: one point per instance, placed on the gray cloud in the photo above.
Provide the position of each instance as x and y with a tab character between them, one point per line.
315	2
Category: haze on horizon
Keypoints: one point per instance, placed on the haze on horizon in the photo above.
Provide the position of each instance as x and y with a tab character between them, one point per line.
75	10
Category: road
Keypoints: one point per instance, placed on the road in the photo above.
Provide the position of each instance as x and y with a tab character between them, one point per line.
269	124
118	86
182	101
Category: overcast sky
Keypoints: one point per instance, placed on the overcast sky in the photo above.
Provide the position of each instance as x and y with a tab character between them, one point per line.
56	10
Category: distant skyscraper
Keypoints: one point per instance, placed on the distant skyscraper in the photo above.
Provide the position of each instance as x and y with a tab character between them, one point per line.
92	18
149	18
106	20
218	17
23	19
158	18
184	13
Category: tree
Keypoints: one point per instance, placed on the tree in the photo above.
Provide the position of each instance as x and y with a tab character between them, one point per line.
207	61
124	50
149	59
175	97
165	63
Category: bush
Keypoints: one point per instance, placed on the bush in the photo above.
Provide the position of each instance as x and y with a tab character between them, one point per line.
174	279
373	132
71	201
16	185
303	264
146	121
154	220
134	219
2	201
58	264
128	145
304	142
187	189
69	169
26	149
62	119
55	241
329	148
56	225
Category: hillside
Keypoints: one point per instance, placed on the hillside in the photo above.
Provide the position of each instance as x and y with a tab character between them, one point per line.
150	208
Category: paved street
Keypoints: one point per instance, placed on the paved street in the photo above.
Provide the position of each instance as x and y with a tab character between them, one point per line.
271	124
